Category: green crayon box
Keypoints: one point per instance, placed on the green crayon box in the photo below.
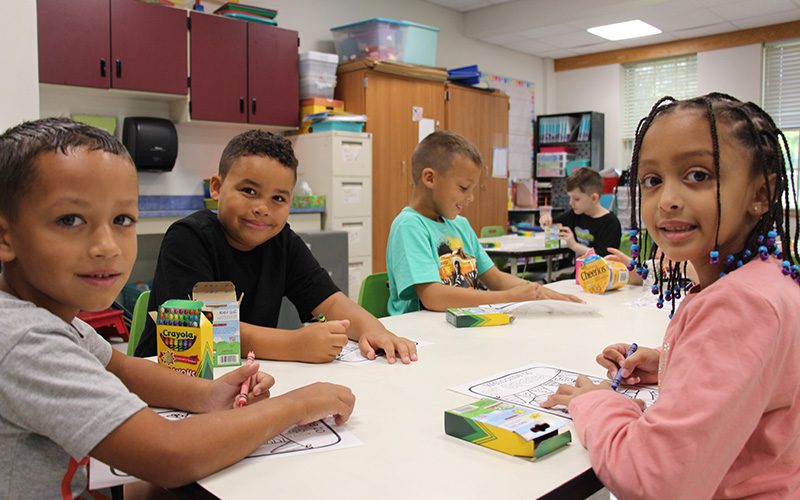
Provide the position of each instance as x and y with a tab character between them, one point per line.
184	338
508	428
221	309
477	316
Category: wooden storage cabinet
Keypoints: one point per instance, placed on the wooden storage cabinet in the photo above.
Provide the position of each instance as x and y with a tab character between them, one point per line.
120	44
243	72
388	100
339	166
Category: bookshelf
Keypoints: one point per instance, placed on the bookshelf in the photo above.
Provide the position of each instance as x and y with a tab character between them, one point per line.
561	141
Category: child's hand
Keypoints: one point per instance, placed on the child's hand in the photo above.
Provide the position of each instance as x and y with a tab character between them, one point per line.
321	342
392	345
615	255
320	400
566	392
640	368
546	220
226	388
566	234
535	291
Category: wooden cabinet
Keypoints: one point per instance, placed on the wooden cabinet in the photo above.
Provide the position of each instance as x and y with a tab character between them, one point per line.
482	117
388	100
243	72
121	44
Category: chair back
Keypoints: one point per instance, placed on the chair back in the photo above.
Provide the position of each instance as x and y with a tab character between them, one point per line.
138	321
374	294
489	231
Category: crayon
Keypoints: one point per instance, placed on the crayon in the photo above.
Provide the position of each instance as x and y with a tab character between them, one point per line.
241	399
618	377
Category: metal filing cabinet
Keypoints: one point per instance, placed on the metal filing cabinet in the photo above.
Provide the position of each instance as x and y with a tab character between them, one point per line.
339	166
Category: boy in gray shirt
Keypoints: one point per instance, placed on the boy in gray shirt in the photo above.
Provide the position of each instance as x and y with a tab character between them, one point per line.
68	209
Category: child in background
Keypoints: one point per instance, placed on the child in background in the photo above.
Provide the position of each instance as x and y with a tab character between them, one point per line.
713	181
68	209
249	243
587	225
434	259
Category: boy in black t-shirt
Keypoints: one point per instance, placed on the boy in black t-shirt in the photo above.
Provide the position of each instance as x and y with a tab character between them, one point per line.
249	243
588	224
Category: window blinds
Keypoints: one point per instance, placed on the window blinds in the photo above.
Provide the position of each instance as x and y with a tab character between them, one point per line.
782	83
646	82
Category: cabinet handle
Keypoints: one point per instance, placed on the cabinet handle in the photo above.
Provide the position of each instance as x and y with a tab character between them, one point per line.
241	105
253	106
103	67
119	68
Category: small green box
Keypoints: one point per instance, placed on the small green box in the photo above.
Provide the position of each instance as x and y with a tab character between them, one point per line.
461	317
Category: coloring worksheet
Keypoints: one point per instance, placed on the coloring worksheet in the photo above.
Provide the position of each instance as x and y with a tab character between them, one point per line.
351	353
530	385
317	436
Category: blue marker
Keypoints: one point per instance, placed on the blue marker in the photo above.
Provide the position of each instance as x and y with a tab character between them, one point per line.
618	378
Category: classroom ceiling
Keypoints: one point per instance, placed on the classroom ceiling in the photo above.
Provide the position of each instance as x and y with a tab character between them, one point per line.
557	28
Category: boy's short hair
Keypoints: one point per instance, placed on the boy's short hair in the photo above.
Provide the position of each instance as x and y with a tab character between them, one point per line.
22	144
437	151
587	180
258	143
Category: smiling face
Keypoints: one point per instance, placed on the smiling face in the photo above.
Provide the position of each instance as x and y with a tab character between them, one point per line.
254	200
72	244
678	189
452	191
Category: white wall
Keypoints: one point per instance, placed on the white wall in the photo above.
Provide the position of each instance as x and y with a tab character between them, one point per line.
200	144
735	71
19	96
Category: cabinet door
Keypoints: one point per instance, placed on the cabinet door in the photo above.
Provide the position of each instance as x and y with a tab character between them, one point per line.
273	81
482	119
389	104
148	47
219	68
74	42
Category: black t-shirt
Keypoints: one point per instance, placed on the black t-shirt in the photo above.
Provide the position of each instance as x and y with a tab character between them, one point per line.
195	249
598	233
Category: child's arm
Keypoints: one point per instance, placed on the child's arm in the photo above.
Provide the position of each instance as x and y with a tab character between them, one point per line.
315	343
206	443
439	297
566	234
370	333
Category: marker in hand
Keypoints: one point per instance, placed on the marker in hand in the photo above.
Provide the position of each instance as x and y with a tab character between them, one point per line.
241	399
618	377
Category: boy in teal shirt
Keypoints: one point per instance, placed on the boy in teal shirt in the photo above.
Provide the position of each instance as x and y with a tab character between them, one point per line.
434	260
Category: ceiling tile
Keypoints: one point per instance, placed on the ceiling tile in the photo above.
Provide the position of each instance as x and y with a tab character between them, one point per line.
546	31
676	20
648	40
597	47
755	22
714	29
532	46
557	54
461	5
506	39
749	8
573	39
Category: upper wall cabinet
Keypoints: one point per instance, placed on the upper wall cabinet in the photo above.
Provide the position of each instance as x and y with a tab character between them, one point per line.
121	44
243	72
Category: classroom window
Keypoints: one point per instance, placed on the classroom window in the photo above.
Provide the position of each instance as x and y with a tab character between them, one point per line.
781	93
644	83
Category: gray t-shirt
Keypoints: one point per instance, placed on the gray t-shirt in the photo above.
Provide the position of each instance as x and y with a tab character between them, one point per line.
57	401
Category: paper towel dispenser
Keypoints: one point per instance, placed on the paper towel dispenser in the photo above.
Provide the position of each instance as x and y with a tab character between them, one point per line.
151	142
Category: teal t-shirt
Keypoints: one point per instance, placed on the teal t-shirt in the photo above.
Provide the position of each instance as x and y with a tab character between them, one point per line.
421	250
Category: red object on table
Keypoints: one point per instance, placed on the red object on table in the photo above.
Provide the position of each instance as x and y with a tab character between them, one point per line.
108	323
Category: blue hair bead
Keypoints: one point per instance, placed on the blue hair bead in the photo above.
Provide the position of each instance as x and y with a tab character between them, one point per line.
660	304
633	232
714	254
644	272
723	274
631	265
772	234
747	254
670	315
634	246
760	239
654	288
786	267
729	260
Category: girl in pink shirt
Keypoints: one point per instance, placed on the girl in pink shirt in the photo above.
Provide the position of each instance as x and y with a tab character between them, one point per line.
714	191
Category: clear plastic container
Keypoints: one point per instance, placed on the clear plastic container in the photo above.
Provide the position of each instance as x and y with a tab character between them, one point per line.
387	40
317	86
314	64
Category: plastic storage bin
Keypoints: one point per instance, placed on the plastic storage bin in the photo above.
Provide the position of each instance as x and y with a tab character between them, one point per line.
387	40
552	164
318	64
317	86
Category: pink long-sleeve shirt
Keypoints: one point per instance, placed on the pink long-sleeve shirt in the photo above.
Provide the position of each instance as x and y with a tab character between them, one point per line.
727	421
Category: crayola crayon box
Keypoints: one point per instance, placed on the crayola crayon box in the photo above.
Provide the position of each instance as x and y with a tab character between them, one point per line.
221	308
512	429
477	316
184	338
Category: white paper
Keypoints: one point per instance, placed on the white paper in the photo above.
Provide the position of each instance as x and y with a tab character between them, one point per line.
500	163
351	353
531	385
426	128
534	307
353	232
311	438
417	113
351	151
351	193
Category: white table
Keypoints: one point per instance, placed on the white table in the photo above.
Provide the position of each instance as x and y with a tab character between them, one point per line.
514	246
399	412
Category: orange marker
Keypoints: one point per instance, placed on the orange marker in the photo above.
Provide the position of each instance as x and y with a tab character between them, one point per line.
241	399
